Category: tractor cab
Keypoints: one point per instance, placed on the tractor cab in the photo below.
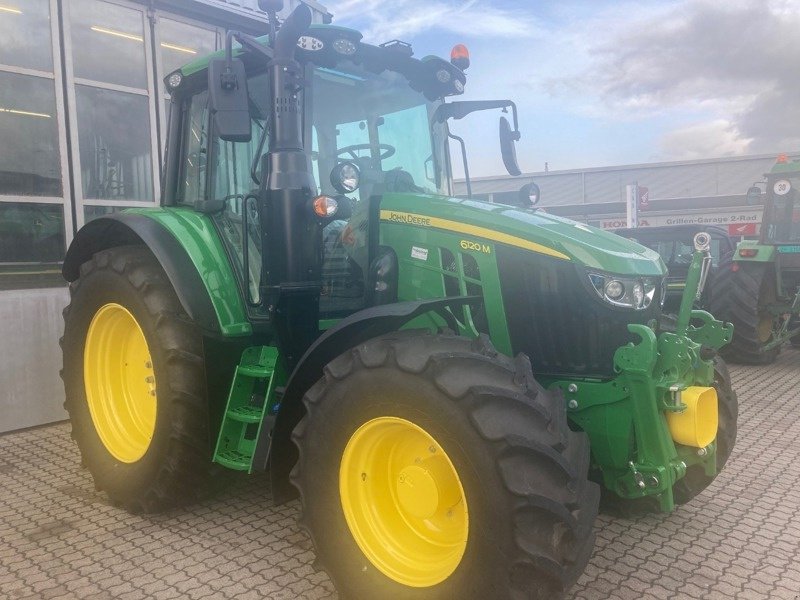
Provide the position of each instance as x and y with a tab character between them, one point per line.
372	121
781	221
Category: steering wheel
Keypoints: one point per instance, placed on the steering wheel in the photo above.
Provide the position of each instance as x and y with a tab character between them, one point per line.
387	150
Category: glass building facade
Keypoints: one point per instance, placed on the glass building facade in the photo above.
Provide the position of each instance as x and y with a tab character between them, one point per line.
83	113
83	120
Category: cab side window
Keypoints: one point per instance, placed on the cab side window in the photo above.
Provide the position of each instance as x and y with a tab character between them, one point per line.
193	170
233	165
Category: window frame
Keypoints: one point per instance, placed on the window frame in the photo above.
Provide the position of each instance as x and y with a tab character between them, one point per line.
79	201
57	79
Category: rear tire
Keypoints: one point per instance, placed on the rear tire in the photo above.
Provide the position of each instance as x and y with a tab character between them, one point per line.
752	287
523	473
171	468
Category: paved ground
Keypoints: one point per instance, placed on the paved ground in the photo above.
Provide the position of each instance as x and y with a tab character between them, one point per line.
60	539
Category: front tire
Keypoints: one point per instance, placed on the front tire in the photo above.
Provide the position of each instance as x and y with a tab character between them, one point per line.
135	382
695	480
501	504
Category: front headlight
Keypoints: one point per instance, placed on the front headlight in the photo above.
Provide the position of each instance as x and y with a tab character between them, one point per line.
627	292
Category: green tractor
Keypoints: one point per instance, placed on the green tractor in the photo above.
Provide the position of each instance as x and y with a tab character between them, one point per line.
447	384
764	300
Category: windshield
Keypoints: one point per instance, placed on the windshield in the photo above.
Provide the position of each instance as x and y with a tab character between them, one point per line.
382	125
783	221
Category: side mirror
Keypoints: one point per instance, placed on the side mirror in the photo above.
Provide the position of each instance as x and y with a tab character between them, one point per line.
754	195
529	195
508	148
228	100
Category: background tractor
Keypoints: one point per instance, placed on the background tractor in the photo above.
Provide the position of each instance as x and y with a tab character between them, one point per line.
446	383
764	299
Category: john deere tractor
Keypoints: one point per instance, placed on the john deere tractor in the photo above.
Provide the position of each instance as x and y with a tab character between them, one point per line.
447	384
764	299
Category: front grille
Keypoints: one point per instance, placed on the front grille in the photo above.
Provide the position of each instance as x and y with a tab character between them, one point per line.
558	320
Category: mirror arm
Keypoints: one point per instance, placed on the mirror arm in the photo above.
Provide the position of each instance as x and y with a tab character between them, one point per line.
460	140
516	132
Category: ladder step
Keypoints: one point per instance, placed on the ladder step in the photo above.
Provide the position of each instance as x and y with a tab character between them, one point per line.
246	414
233	459
256	371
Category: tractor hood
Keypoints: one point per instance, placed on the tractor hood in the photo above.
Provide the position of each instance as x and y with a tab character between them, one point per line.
536	231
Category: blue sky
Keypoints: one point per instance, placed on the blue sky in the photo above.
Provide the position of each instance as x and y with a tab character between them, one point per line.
605	82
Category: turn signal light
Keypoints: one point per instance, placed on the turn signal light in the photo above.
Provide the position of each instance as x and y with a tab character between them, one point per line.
748	252
459	56
782	159
324	206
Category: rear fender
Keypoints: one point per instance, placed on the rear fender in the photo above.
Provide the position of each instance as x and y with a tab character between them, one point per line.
190	252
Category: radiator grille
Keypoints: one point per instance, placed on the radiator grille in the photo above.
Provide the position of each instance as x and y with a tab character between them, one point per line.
558	320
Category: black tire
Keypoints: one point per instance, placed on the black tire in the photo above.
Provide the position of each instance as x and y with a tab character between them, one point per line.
753	286
524	473
717	294
794	323
174	466
696	480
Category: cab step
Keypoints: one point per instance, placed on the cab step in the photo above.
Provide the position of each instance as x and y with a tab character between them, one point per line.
248	402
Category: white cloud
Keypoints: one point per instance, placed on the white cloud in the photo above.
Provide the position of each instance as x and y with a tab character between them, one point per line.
731	64
406	18
719	137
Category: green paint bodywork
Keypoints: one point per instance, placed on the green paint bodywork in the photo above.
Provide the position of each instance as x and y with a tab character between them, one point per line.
625	416
200	239
764	252
589	246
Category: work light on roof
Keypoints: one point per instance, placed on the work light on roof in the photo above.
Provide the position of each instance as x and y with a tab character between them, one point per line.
174	80
310	43
443	75
344	46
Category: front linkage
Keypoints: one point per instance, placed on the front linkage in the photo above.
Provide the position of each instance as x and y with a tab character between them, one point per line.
658	417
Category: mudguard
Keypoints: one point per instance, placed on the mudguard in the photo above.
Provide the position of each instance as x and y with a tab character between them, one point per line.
190	252
274	449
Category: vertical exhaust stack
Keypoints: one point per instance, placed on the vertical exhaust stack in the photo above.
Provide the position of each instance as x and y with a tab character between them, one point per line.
292	233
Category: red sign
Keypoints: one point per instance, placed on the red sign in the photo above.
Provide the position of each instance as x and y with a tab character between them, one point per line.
742	229
644	197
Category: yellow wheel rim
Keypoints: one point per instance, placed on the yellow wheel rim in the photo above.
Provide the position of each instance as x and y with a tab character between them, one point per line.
765	328
120	383
403	502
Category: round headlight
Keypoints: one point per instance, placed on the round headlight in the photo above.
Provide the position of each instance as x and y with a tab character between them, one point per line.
614	289
346	177
458	85
443	75
344	46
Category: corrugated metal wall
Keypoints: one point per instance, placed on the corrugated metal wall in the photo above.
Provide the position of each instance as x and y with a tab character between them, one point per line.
31	392
695	179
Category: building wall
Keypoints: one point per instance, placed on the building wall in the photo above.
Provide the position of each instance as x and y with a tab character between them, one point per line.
603	185
83	116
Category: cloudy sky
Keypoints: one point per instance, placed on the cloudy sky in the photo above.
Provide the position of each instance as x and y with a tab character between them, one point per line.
602	82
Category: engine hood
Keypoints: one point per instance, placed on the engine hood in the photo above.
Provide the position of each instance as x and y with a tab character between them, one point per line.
536	231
